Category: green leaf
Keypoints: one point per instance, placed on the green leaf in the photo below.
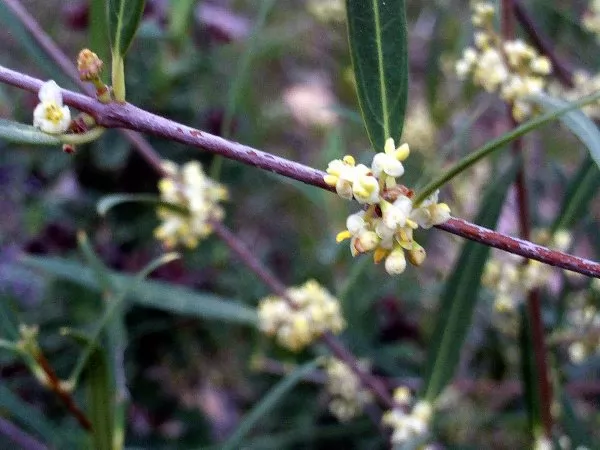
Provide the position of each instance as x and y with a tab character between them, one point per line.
268	402
181	13
123	20
98	32
580	192
530	376
496	144
378	44
459	296
108	202
151	294
25	134
100	400
580	125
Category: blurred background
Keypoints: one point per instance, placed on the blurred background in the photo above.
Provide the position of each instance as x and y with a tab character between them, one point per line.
275	75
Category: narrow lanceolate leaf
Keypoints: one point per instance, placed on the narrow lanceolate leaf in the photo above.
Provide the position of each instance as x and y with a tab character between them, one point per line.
149	293
576	121
123	20
268	402
100	400
459	296
377	34
529	376
580	192
25	134
108	202
98	32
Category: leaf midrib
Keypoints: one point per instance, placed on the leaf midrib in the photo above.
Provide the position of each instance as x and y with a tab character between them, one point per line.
378	41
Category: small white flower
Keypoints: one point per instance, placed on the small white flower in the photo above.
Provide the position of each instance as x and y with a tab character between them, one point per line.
389	161
395	263
366	187
50	115
395	214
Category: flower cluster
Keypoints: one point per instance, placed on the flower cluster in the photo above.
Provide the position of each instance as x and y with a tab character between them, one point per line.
419	128
303	316
387	223
591	18
327	10
348	398
193	200
583	316
50	115
584	84
511	279
410	425
511	68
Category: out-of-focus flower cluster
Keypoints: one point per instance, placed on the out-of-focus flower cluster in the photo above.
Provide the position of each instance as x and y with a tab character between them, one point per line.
386	225
511	279
513	69
194	200
584	84
301	318
583	318
591	18
419	128
50	115
410	425
348	398
327	10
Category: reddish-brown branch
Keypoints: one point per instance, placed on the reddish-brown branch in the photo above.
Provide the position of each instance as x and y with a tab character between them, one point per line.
55	385
559	68
127	116
334	345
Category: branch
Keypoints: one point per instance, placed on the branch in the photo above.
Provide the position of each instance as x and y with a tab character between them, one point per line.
334	345
66	397
127	116
562	71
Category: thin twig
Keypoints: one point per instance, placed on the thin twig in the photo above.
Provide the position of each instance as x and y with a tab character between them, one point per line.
20	437
150	155
127	116
334	345
560	69
56	386
47	44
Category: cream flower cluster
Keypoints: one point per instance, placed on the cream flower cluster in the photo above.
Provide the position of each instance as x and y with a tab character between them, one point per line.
511	279
591	18
419	128
50	115
197	196
301	318
387	223
348	398
408	425
513	69
584	84
583	316
327	10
